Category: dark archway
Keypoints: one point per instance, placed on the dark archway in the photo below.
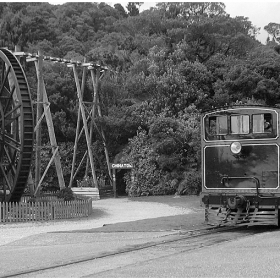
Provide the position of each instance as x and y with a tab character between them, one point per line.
120	182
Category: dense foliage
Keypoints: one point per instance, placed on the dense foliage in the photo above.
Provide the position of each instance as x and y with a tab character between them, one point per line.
167	64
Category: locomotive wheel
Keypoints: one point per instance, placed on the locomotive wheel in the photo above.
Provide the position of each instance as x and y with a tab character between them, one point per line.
16	128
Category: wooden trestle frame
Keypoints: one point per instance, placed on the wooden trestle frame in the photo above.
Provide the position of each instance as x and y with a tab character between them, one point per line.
43	110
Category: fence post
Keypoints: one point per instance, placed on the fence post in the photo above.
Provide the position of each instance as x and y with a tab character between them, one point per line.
53	211
9	211
15	212
90	206
4	211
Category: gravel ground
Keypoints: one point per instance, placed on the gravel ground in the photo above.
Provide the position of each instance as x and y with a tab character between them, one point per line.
105	211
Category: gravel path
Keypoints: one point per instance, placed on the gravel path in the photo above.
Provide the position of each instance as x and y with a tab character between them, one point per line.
107	211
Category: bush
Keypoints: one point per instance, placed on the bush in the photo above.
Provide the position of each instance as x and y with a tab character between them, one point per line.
86	182
67	194
191	184
165	187
38	199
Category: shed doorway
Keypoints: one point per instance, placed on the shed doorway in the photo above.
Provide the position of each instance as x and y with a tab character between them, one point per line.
119	170
120	182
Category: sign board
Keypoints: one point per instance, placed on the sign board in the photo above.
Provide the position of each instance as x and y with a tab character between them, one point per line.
121	165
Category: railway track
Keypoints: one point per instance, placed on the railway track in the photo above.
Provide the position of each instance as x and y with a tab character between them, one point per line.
94	265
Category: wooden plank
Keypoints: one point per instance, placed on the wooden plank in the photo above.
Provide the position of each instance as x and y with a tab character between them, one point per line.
53	211
16	209
24	211
4	211
20	211
8	211
36	210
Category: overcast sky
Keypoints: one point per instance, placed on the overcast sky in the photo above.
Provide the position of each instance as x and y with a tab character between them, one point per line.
260	13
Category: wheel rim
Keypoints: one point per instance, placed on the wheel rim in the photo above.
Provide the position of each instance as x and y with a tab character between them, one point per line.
16	128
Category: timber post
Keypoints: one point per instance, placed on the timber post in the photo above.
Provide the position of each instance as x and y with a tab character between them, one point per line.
81	105
77	136
39	108
53	142
95	81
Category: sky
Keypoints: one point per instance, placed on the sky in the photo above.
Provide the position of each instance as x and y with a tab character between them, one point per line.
260	13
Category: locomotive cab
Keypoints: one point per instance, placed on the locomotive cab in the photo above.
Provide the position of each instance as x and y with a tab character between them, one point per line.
240	165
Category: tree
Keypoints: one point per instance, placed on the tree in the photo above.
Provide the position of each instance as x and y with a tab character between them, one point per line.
191	11
221	34
26	23
273	29
121	10
133	8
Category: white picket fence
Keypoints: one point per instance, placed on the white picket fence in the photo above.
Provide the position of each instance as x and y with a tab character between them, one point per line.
44	211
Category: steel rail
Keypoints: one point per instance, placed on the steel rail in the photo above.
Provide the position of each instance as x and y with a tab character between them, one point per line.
183	235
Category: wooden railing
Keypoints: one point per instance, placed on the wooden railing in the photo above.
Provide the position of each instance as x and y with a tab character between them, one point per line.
44	211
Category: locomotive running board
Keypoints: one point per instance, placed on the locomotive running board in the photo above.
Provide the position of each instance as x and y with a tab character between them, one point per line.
255	216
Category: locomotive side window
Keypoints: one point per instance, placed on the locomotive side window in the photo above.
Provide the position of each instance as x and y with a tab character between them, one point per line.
262	123
218	125
240	124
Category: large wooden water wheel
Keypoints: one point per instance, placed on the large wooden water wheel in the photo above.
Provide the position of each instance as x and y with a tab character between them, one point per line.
16	128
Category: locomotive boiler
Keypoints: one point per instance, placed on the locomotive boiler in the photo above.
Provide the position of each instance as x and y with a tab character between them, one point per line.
240	165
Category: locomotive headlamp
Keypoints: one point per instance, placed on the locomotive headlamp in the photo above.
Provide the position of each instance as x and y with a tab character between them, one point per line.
235	148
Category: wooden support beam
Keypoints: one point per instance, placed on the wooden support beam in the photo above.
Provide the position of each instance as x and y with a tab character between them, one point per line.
95	92
52	137
39	70
81	162
40	120
45	172
81	105
95	81
78	133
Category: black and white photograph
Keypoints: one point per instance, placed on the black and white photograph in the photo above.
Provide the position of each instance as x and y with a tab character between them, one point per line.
139	139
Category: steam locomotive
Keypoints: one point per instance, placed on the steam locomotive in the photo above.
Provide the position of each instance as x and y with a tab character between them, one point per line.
240	165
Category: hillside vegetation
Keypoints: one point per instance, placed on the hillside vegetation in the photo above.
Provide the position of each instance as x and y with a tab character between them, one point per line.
167	64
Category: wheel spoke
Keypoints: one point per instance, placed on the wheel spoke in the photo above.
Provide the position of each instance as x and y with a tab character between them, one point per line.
2	71
10	99
11	142
13	110
5	177
11	162
4	80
